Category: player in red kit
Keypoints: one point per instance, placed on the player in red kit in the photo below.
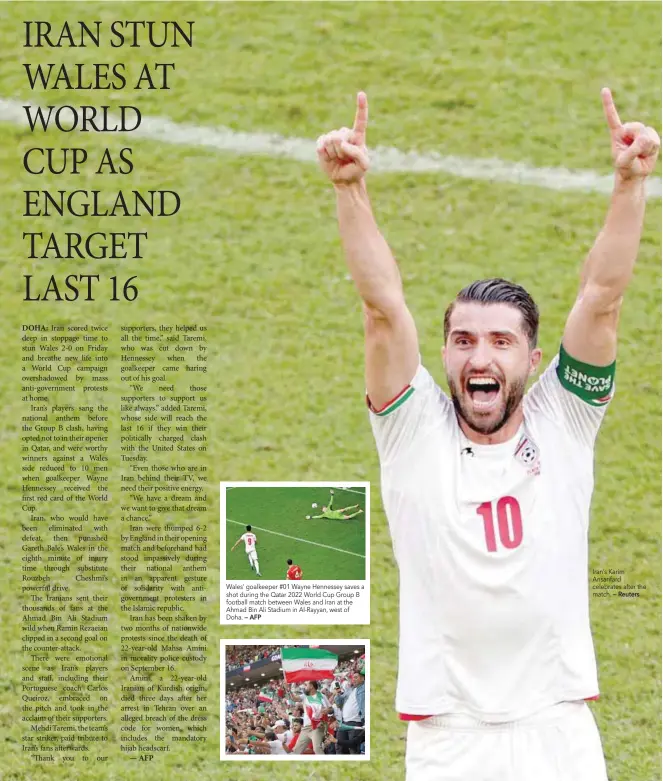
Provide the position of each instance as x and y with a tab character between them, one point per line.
294	571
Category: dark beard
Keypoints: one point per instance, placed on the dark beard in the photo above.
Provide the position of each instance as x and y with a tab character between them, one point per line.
514	396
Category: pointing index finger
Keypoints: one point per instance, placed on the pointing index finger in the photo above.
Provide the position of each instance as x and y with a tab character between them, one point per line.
609	109
361	118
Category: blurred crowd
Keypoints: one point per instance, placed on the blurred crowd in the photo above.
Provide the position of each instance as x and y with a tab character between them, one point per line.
241	655
275	719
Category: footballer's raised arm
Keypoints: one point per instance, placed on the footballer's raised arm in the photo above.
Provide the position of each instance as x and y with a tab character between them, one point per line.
392	352
590	335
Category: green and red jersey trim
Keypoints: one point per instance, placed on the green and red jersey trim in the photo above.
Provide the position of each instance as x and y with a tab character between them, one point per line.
395	403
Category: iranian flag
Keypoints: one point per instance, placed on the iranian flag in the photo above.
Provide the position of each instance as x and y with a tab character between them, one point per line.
307	664
265	696
247	668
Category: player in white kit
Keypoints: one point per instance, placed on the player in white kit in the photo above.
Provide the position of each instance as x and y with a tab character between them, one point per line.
488	491
249	539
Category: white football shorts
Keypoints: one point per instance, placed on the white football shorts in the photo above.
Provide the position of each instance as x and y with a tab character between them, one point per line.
560	743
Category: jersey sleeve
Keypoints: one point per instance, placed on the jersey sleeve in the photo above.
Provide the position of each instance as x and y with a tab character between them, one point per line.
575	395
418	408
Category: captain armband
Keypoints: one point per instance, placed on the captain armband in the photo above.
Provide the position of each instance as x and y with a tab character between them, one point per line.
593	384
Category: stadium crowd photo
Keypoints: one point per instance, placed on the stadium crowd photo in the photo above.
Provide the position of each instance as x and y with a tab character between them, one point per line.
295	700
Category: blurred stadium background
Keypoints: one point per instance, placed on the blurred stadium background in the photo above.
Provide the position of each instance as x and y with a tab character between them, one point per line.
254	255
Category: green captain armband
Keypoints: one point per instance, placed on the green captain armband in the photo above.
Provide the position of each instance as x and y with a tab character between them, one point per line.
592	384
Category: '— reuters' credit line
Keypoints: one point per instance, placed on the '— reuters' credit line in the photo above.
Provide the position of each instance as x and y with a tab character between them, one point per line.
383	159
298	539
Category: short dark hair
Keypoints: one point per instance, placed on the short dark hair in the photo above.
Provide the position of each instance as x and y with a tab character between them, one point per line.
289	561
499	291
315	685
270	735
248	528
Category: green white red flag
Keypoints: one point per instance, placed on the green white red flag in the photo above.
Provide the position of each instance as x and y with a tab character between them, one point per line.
265	695
307	664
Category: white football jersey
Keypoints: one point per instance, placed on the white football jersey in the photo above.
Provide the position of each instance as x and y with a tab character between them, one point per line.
491	544
249	542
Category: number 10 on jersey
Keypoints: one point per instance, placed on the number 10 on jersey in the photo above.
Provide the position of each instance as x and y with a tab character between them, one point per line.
509	523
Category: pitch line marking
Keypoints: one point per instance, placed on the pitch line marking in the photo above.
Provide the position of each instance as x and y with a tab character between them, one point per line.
298	539
351	490
383	159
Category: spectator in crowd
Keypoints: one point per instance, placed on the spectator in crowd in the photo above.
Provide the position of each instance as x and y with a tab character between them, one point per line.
352	704
231	740
316	708
331	739
282	732
297	724
270	745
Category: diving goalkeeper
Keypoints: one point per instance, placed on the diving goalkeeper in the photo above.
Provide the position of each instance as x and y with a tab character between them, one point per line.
336	515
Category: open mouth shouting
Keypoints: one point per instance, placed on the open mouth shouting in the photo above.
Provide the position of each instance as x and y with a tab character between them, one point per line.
484	391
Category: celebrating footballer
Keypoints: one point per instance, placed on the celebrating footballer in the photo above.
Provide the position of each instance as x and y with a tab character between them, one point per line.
497	483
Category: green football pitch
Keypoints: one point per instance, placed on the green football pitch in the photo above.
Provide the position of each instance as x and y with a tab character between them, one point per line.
254	255
324	549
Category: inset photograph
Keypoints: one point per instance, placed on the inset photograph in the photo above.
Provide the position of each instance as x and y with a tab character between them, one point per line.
304	531
291	702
